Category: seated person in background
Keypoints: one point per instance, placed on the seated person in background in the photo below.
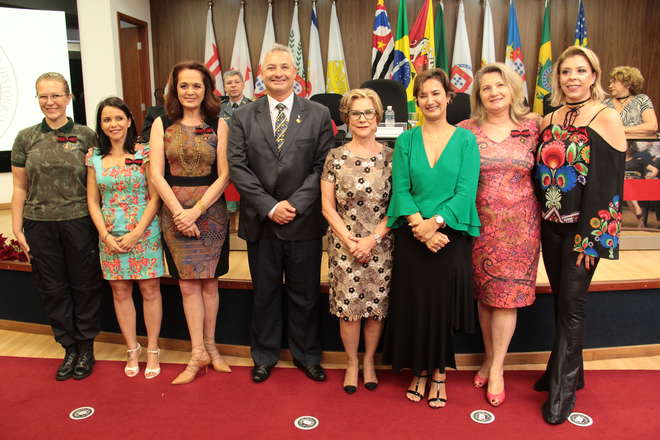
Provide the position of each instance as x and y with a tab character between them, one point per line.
153	113
639	165
635	108
234	85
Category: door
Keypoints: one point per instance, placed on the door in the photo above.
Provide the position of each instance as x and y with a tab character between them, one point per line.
135	72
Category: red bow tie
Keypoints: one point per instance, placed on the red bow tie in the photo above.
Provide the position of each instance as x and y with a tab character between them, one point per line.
519	133
133	161
63	139
207	130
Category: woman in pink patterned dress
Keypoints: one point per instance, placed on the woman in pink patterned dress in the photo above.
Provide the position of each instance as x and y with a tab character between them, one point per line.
506	255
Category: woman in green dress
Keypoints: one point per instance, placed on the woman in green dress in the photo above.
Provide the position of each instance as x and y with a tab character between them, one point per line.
435	173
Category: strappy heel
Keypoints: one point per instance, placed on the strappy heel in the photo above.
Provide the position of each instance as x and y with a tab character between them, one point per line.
195	364
217	361
133	371
415	392
437	397
150	373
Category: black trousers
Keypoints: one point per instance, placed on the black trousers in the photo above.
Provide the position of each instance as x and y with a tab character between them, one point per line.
293	268
569	285
67	273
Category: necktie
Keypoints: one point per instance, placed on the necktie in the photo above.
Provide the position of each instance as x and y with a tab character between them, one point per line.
234	106
280	126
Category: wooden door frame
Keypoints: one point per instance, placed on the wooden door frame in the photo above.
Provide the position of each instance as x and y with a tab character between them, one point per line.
145	71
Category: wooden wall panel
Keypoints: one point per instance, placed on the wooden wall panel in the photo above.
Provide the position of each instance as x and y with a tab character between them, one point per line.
621	33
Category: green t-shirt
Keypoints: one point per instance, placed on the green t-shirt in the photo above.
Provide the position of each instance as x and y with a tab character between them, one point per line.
54	161
449	188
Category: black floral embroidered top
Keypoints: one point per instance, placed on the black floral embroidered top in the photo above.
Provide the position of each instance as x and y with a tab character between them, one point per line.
579	179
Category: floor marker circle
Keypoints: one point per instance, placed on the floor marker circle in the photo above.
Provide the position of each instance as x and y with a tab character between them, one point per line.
306	422
81	413
580	419
482	416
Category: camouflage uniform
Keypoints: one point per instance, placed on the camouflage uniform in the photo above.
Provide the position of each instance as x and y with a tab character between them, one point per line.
62	238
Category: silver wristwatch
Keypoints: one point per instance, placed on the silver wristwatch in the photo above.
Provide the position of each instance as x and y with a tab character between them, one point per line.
440	220
377	237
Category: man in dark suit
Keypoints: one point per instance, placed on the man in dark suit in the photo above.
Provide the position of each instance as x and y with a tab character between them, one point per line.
277	147
234	86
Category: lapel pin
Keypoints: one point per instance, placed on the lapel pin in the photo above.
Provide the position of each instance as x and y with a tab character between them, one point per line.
298	119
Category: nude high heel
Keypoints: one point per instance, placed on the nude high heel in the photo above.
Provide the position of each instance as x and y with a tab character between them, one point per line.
217	362
150	373
199	360
133	371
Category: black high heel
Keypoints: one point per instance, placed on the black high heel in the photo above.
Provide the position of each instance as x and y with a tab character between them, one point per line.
416	392
437	397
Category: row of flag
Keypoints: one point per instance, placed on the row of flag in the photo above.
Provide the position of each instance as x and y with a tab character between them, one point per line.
308	82
398	58
425	47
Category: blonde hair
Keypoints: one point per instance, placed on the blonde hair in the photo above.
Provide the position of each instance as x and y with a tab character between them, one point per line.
53	76
630	77
347	102
517	109
597	92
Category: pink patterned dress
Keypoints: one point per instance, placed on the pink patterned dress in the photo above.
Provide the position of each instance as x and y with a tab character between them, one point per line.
505	256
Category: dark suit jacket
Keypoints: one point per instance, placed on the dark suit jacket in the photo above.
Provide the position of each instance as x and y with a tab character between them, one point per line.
227	111
264	177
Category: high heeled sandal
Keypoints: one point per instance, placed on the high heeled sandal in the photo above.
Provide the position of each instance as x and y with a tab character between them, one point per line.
195	364
437	397
478	381
133	371
416	392
150	373
217	361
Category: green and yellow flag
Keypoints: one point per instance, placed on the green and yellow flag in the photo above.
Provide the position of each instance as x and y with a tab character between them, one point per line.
545	63
403	70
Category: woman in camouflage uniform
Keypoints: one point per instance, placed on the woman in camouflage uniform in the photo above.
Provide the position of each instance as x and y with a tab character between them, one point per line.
51	222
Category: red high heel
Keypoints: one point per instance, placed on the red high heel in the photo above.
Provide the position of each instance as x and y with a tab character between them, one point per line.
478	381
496	399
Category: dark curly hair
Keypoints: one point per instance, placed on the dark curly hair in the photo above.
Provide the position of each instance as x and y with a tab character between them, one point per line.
131	135
210	105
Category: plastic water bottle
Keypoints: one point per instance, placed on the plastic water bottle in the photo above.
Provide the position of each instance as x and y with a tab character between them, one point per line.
389	116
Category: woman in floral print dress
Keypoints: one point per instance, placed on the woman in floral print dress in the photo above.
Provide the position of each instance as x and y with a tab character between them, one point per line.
123	207
355	192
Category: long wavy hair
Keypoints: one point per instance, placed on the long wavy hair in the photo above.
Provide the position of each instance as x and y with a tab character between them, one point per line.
210	106
517	109
131	134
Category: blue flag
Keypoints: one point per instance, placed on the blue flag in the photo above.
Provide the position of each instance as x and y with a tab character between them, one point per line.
581	28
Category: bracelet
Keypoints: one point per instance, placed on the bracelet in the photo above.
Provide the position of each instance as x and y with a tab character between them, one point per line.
201	206
377	237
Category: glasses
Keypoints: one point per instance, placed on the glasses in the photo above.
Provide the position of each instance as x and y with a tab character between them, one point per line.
368	114
45	98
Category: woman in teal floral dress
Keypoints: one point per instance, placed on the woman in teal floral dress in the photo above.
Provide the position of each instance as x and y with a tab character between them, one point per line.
123	206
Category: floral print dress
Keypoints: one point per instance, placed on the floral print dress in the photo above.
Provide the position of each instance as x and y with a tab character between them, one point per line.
362	194
124	197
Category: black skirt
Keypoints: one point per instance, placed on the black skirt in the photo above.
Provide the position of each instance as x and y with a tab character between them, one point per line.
431	298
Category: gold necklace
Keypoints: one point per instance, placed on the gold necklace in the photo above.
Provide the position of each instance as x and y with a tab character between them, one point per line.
189	167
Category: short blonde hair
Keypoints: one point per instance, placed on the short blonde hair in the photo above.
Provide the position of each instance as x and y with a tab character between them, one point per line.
597	92
513	81
347	102
54	76
630	77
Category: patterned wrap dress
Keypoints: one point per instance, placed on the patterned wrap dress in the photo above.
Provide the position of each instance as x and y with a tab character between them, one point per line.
505	256
190	168
124	197
362	193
